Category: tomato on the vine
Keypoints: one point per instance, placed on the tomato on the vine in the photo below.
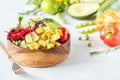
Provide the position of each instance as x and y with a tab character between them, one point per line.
110	35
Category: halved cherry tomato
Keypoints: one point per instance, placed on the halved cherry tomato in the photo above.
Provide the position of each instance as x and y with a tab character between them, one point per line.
111	35
64	36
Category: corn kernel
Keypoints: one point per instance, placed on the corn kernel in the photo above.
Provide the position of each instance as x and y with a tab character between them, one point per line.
49	31
45	28
57	43
43	43
50	45
39	30
55	36
52	41
58	31
43	37
33	45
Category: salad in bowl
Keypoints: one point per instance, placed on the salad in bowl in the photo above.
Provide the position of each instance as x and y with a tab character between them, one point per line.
38	42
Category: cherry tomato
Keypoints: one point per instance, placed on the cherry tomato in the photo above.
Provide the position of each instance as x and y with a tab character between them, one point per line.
111	35
64	36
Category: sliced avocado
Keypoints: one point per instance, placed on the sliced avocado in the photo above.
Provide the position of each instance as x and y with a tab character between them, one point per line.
31	37
53	25
83	10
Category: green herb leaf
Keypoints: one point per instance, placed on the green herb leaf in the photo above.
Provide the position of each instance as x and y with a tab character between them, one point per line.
34	2
59	16
20	19
105	51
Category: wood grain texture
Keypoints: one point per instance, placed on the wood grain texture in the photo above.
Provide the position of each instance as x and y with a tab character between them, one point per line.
38	58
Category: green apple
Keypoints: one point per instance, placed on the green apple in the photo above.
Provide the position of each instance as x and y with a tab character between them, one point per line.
49	6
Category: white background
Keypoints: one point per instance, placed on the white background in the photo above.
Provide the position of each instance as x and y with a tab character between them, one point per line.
78	66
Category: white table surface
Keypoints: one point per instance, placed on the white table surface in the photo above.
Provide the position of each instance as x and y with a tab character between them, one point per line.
78	66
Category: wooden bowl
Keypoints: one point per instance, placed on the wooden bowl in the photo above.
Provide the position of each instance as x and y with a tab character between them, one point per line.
38	58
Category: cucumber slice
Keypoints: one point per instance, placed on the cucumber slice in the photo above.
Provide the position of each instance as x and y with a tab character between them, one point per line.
83	10
23	45
31	37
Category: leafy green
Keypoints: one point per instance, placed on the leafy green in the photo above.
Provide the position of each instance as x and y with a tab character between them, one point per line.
64	5
20	19
34	2
105	51
107	4
35	10
60	17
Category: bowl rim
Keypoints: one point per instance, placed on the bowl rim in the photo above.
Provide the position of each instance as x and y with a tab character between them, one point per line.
69	39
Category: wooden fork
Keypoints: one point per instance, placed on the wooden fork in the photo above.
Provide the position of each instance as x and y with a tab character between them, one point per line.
15	67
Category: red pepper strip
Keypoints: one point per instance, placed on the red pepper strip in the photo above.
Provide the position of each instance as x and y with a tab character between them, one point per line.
34	21
110	35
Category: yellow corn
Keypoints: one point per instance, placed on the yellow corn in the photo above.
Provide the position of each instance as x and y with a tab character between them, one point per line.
58	31
50	45
33	45
43	37
43	43
47	39
55	36
40	30
57	43
49	33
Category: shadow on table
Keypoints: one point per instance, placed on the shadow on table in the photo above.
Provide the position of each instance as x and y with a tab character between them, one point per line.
79	55
27	76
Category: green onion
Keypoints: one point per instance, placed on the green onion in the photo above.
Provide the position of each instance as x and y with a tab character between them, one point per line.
13	29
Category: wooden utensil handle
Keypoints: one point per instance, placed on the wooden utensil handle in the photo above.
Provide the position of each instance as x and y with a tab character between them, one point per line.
4	50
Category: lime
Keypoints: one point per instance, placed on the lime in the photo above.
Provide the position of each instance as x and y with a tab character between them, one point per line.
49	6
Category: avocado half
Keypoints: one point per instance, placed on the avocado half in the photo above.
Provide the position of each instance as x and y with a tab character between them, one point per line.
82	10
